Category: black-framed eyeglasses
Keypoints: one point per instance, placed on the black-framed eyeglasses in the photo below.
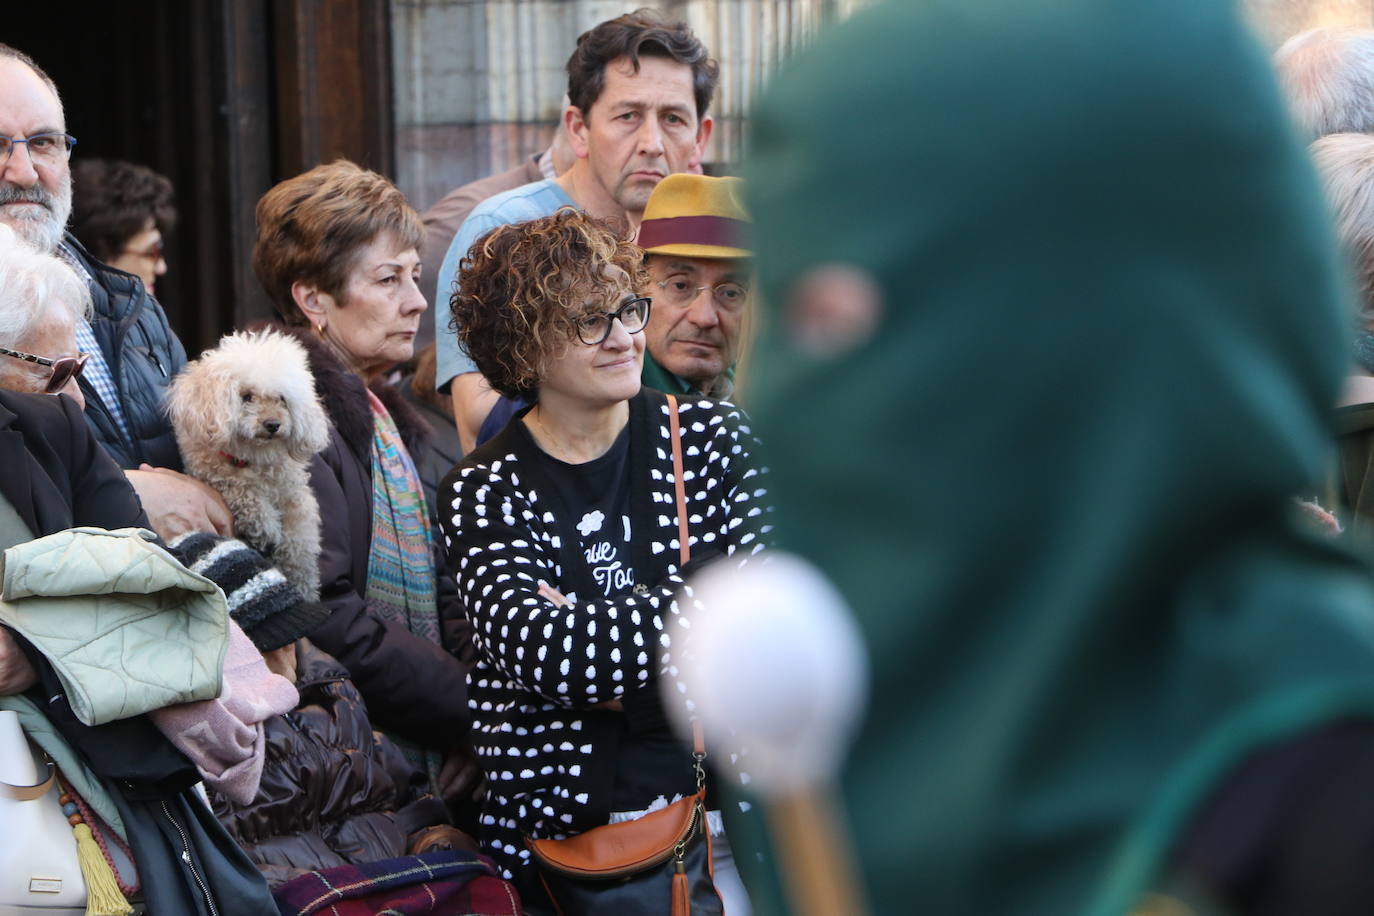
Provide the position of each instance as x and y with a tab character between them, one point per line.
47	148
633	315
64	368
729	295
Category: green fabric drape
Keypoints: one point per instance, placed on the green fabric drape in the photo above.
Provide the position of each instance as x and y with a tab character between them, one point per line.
1055	480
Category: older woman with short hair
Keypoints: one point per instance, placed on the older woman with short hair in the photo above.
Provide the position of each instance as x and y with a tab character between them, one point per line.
337	253
563	534
40	299
57	476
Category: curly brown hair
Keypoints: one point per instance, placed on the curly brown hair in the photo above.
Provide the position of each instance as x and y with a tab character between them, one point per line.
312	228
523	287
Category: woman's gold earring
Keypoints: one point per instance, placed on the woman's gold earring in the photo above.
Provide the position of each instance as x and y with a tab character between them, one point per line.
319	329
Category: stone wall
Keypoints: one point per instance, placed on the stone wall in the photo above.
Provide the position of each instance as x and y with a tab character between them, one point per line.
478	82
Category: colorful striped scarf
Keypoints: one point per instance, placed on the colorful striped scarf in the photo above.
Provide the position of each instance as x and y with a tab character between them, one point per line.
400	564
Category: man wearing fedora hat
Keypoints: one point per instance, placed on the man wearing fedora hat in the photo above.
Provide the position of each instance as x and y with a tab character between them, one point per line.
693	232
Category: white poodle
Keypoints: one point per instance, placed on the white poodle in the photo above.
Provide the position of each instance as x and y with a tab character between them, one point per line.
248	422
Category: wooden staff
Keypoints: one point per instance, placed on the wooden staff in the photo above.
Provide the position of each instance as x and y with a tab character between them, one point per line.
775	665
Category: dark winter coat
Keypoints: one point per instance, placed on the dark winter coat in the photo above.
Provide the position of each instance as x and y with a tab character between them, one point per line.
412	686
55	473
143	355
333	792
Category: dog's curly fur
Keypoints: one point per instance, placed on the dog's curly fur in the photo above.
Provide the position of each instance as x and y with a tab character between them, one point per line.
248	421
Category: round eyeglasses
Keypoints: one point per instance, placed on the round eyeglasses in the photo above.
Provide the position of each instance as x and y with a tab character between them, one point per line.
633	315
729	296
48	149
64	368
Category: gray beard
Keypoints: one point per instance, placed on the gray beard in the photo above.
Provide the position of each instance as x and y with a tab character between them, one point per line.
44	230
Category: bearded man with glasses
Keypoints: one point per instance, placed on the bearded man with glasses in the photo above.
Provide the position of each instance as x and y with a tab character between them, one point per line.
133	353
693	233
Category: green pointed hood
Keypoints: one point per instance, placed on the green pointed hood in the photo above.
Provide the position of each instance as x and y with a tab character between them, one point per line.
1055	481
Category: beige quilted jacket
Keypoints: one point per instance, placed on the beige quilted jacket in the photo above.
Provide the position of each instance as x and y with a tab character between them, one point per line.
126	627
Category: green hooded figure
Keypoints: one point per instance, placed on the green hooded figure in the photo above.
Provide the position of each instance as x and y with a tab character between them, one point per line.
1050	460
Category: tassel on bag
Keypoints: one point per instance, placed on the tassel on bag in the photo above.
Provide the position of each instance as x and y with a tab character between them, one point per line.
103	897
682	893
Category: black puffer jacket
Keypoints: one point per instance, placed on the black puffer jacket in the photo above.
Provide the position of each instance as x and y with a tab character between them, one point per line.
143	355
413	687
333	792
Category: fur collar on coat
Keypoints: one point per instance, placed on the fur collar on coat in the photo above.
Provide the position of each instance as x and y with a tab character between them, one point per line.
344	398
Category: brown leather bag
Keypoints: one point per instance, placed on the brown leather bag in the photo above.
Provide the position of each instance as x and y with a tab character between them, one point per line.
658	864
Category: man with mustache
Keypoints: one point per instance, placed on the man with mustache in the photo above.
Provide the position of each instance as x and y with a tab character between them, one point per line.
133	353
638	91
694	235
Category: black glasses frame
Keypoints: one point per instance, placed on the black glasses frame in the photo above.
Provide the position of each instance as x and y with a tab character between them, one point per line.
612	317
64	368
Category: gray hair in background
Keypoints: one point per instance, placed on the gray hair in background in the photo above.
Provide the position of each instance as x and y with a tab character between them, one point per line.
1346	165
32	284
1328	76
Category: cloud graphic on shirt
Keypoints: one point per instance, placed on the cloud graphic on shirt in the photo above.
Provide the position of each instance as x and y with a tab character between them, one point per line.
591	522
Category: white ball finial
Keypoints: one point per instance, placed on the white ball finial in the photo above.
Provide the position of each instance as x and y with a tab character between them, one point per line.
775	665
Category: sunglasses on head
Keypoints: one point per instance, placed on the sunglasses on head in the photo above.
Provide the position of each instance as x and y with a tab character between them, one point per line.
64	368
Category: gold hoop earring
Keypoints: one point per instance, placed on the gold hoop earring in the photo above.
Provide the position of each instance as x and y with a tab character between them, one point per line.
319	329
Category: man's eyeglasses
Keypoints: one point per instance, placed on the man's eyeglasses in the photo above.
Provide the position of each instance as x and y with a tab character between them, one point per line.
50	149
153	252
64	368
633	315
729	296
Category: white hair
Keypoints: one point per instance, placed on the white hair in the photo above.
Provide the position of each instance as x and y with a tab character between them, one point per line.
32	284
1328	76
1346	164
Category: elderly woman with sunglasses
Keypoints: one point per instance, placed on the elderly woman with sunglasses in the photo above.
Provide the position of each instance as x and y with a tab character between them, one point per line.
57	476
40	299
563	535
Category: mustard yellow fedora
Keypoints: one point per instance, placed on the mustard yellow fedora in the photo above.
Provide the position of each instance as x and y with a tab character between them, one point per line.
696	216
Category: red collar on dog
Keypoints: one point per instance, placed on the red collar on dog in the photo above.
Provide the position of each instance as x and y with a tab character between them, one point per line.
236	462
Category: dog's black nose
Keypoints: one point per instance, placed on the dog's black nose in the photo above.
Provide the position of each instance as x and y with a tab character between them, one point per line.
271	426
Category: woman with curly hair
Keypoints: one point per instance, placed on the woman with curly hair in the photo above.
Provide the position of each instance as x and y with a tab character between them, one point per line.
563	533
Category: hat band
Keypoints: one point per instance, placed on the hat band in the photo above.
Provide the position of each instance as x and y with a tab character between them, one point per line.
693	230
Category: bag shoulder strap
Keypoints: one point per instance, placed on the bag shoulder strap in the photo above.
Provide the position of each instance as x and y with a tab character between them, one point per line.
679	488
685	551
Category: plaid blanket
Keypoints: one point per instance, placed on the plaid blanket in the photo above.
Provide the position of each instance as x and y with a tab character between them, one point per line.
449	883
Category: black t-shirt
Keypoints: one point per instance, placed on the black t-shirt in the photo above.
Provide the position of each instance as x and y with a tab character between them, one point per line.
596	495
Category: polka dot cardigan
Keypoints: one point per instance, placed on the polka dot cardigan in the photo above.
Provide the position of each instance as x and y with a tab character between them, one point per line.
548	757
